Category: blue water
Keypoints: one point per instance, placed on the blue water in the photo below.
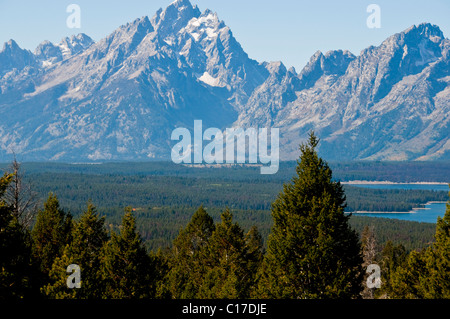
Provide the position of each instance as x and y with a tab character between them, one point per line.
427	215
435	187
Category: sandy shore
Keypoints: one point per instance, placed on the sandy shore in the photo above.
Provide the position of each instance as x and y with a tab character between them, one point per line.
369	212
413	211
392	183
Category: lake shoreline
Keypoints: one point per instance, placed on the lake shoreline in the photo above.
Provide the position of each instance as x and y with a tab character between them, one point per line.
413	211
359	182
427	212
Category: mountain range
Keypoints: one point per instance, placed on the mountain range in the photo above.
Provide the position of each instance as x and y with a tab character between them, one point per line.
121	97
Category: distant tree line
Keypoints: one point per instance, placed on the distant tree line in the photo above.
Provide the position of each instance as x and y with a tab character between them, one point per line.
402	171
311	252
148	191
389	200
408	234
163	204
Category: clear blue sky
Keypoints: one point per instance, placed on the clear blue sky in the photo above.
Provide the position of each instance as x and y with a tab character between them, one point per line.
286	30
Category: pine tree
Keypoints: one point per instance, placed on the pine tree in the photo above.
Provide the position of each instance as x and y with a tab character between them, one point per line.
127	270
187	262
18	270
438	260
408	282
255	256
228	264
426	274
312	251
161	261
88	237
51	233
392	257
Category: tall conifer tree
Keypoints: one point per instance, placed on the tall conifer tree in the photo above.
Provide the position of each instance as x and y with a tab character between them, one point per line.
255	256
88	237
127	269
51	233
426	273
312	251
187	262
438	260
228	272
392	257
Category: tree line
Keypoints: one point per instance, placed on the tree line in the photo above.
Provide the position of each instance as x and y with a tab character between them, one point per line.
216	191
163	204
311	252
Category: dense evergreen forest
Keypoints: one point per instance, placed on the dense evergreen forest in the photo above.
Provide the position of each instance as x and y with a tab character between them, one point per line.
163	196
436	171
118	190
156	230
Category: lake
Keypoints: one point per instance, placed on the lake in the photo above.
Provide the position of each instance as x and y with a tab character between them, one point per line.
428	214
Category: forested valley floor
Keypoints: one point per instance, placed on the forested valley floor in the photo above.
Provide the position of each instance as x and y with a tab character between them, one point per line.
164	195
160	230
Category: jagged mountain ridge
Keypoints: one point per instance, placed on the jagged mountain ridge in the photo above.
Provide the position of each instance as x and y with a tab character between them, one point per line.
388	103
121	97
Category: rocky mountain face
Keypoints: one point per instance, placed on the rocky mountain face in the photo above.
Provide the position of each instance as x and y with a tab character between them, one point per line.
48	53
121	97
389	103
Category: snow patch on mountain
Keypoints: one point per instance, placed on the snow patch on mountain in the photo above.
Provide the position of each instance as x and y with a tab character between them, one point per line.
210	80
121	97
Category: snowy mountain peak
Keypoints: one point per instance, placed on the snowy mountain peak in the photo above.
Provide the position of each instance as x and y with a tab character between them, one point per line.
121	97
79	39
405	53
74	45
181	3
132	32
206	26
10	46
142	23
276	67
14	57
332	63
427	30
336	61
48	53
173	18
